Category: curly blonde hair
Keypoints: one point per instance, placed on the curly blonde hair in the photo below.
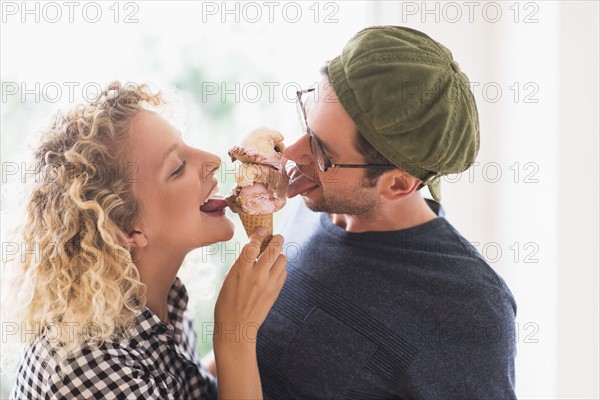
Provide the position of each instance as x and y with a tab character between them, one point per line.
82	274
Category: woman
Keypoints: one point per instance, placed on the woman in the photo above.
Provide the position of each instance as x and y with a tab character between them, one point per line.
116	210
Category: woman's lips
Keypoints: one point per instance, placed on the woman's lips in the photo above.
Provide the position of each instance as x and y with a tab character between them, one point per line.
214	203
299	183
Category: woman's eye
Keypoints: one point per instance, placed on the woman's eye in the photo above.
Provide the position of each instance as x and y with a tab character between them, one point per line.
179	170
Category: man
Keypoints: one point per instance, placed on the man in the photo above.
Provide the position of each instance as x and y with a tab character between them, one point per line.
384	298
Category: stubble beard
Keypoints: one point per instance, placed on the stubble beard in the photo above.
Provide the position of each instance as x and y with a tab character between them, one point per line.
358	200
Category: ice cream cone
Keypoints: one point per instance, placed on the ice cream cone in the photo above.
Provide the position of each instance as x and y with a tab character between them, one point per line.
251	222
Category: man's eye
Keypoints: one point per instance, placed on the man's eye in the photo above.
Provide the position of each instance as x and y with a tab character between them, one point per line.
179	170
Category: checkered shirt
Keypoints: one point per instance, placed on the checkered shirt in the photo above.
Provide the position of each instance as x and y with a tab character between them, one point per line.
158	361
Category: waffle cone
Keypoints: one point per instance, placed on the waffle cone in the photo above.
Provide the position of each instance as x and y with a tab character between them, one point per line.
251	222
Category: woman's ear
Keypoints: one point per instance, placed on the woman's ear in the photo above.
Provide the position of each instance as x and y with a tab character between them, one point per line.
135	239
138	239
397	184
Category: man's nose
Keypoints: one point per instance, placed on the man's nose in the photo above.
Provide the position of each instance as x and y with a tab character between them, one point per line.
299	152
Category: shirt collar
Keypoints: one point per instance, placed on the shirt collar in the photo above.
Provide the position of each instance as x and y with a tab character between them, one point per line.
147	323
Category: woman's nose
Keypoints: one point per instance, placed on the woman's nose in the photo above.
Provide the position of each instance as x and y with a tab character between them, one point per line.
299	152
210	163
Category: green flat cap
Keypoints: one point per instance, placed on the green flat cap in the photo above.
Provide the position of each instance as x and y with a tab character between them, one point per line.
410	100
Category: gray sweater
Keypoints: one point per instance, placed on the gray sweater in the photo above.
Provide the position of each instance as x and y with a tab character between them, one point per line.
409	314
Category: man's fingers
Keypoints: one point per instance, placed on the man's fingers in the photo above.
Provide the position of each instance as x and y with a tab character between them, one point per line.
251	250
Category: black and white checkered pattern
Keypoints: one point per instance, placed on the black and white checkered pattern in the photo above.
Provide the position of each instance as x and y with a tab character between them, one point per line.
159	361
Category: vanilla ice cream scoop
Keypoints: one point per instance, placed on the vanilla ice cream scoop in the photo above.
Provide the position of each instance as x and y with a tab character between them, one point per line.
261	146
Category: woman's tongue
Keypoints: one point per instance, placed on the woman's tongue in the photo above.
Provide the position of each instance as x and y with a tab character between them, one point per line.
214	204
299	183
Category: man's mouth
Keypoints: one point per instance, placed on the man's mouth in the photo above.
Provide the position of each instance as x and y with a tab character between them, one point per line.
300	184
214	203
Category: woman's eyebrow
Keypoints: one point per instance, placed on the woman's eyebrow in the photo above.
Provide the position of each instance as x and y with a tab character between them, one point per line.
171	148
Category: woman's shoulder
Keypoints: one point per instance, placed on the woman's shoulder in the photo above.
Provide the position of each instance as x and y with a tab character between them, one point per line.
52	357
109	367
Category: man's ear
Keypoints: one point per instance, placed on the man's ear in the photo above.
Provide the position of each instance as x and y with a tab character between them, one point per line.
397	184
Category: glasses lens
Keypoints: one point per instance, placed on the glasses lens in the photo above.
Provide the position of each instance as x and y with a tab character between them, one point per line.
318	153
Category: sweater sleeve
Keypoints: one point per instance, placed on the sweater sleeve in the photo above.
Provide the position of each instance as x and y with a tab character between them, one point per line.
471	355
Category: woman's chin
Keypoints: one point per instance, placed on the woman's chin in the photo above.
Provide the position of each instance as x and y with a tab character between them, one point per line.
223	234
230	233
229	229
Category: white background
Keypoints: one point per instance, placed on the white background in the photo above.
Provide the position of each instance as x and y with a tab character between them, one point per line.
531	203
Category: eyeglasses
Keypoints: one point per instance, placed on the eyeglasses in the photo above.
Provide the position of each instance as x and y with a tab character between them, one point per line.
316	146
